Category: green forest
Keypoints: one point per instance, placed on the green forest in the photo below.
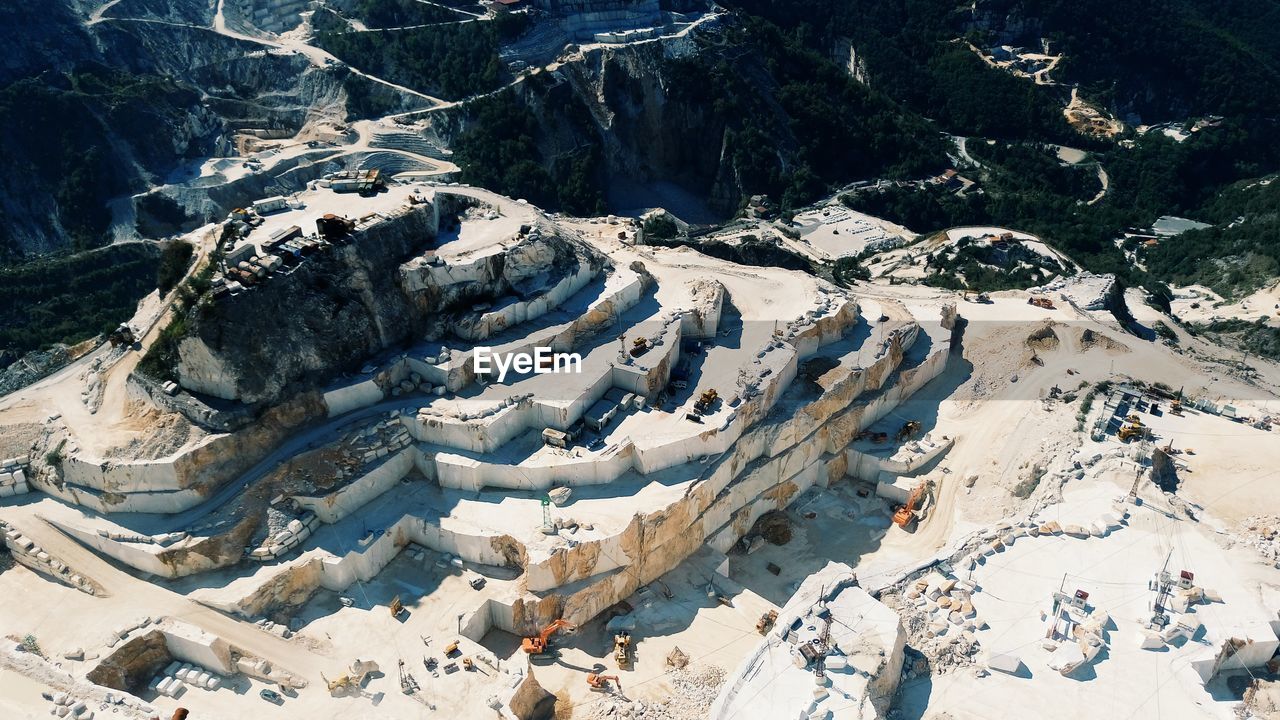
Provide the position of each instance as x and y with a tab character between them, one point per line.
451	61
69	299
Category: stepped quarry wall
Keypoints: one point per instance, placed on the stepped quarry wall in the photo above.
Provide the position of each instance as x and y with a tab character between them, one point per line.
175	482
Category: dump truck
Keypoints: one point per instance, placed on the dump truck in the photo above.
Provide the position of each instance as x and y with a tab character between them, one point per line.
122	335
537	644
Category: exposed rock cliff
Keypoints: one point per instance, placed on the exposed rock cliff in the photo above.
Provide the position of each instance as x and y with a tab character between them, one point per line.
358	299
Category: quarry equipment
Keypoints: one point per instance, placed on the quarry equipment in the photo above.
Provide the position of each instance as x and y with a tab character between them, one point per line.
332	227
408	684
905	515
451	648
341	685
1129	431
537	644
397	607
601	682
766	621
1041	302
706	400
908	430
622	649
1175	407
351	679
122	335
639	346
468	664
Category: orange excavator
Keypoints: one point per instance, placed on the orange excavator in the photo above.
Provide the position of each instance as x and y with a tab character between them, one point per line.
601	682
537	644
906	514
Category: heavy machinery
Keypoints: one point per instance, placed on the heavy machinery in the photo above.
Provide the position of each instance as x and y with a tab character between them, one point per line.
451	648
905	515
1041	302
1131	430
766	621
908	430
397	607
706	400
350	680
599	682
537	644
639	346
1175	406
339	686
622	649
122	335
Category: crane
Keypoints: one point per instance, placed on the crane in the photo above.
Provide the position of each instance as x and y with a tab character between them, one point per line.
601	682
537	644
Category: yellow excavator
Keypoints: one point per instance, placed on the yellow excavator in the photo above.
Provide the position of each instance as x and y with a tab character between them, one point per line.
537	644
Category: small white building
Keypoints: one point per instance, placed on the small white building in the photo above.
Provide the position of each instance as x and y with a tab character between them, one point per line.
270	204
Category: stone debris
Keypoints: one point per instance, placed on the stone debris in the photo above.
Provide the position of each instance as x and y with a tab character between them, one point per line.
1262	533
693	689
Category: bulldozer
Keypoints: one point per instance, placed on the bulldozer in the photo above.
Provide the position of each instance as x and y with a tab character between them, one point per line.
537	644
706	400
622	649
907	431
1041	302
639	346
397	607
905	515
766	621
1132	430
599	682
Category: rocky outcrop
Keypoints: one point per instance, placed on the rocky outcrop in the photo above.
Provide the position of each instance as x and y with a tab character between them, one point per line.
133	664
355	300
531	701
